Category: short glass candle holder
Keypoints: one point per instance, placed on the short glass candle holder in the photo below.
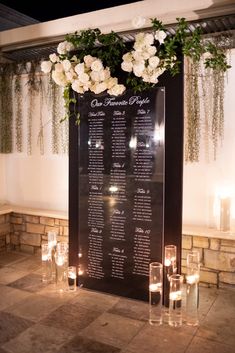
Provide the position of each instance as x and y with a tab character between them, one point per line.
155	293
175	303
46	263
72	278
192	288
169	269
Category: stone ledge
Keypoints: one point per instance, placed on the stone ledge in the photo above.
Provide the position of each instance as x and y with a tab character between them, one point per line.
203	231
5	209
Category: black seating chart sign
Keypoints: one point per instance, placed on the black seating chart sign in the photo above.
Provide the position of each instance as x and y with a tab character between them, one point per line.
121	190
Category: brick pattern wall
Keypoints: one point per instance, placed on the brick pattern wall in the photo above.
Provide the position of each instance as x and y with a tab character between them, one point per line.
29	232
4	231
217	259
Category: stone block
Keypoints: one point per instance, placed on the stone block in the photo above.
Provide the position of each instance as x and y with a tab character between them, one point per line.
7	218
4	228
48	221
57	222
227	277
183	262
30	239
186	242
208	277
27	248
183	270
200	242
225	242
61	230
2	219
32	219
66	231
218	260
227	249
15	239
200	250
16	220
63	222
52	229
214	244
18	227
35	228
8	239
184	253
63	239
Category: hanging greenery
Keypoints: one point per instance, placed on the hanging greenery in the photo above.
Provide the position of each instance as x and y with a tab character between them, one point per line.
18	93
204	101
6	106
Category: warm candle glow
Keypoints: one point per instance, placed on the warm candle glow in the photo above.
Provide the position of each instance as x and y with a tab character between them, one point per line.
155	287
175	295
45	257
60	260
167	262
72	275
191	279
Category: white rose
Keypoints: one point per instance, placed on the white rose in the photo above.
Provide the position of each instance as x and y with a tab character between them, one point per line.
80	68
69	46
99	87
74	59
145	55
95	76
153	79
54	58
138	69
112	81
160	36
148	39
138	55
139	37
104	74
66	65
64	47
88	59
116	90
59	78
84	78
97	65
126	66
76	86
154	62
139	45
151	50
127	57
146	77
70	75
59	67
138	22
46	66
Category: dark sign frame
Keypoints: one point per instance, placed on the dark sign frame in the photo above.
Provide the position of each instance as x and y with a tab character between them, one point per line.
173	171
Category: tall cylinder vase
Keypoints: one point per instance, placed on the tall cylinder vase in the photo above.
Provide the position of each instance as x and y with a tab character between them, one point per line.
155	293
192	288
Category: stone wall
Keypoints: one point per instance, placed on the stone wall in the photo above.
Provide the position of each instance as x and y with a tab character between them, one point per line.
28	232
217	259
4	231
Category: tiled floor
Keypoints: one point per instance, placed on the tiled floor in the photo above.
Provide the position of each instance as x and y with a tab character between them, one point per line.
39	319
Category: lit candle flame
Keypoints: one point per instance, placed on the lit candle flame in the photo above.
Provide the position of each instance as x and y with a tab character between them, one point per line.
175	295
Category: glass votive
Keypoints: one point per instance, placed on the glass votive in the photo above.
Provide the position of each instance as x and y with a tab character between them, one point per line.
52	239
61	260
175	302
155	293
192	287
46	263
72	278
169	269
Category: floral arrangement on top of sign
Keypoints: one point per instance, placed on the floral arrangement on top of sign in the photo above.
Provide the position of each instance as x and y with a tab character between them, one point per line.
90	61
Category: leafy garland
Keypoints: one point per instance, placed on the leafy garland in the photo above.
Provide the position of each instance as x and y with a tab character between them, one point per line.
86	57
